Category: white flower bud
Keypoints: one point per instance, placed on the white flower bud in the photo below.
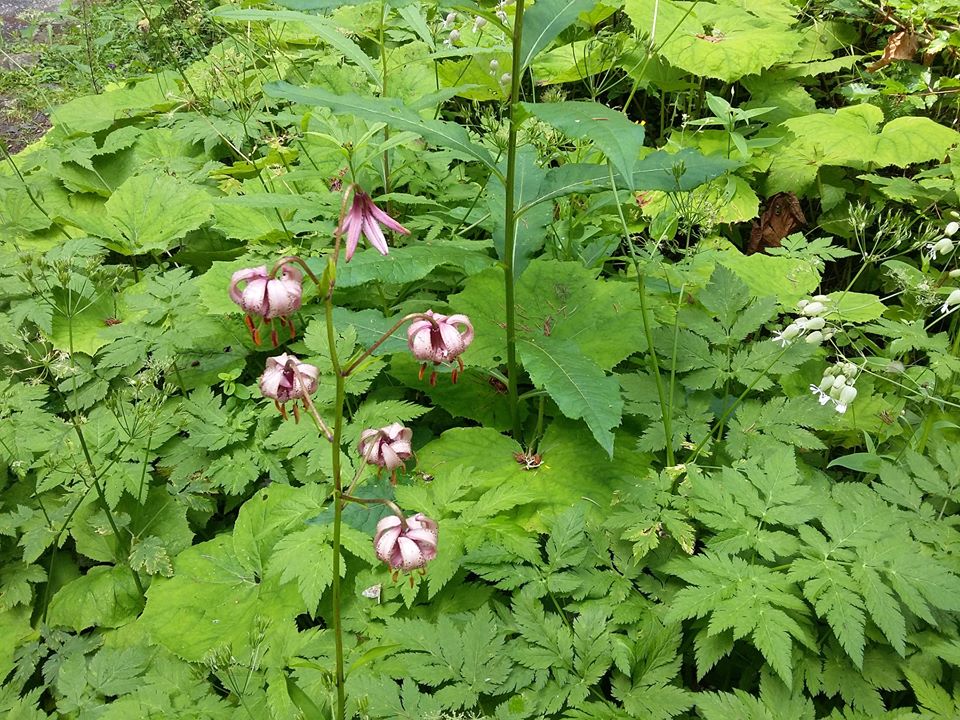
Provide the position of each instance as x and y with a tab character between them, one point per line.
815	323
826	383
822	298
839	381
449	20
814	308
801	304
494	66
951	229
506	79
479	23
815	338
943	246
847	396
954	274
454	36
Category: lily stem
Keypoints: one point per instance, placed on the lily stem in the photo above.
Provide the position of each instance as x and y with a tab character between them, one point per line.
510	226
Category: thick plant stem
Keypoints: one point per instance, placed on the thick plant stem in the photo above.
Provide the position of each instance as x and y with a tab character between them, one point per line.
510	227
666	409
340	712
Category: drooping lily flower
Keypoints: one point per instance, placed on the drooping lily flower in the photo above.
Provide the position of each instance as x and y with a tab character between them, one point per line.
267	298
286	378
365	217
406	545
387	447
439	341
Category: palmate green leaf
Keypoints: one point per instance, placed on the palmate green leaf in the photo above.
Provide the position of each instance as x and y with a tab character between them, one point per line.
16	583
719	41
324	29
544	21
90	114
149	213
389	111
555	300
761	427
405	264
620	139
578	386
849	138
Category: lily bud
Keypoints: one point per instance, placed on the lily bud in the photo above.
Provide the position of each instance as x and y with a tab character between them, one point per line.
439	340
406	545
387	447
285	378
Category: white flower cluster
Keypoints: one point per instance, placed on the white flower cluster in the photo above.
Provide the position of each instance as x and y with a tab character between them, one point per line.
944	246
501	13
810	325
836	386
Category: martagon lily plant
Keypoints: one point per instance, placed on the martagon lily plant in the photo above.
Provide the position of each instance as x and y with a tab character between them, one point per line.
404	543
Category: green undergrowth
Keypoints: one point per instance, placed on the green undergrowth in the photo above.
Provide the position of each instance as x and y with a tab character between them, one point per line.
688	525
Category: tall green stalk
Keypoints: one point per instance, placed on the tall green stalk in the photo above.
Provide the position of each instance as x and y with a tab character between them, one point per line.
666	408
340	713
510	226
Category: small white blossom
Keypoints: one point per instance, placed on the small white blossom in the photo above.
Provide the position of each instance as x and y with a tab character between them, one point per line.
822	397
951	229
506	79
501	16
814	308
815	338
449	20
953	299
787	334
479	23
943	246
452	38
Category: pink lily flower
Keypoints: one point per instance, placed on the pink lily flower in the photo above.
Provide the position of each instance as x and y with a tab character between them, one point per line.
406	545
387	447
365	217
439	341
267	298
286	378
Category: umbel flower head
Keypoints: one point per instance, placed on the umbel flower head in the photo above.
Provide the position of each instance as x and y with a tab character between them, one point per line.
387	447
269	298
438	339
365	217
287	379
406	544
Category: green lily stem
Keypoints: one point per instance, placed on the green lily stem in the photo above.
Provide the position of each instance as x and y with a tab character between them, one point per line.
666	409
340	713
510	226
384	9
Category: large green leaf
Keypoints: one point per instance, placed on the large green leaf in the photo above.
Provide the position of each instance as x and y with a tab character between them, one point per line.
386	110
92	113
620	139
574	466
562	300
849	138
544	21
578	386
105	597
719	41
149	213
